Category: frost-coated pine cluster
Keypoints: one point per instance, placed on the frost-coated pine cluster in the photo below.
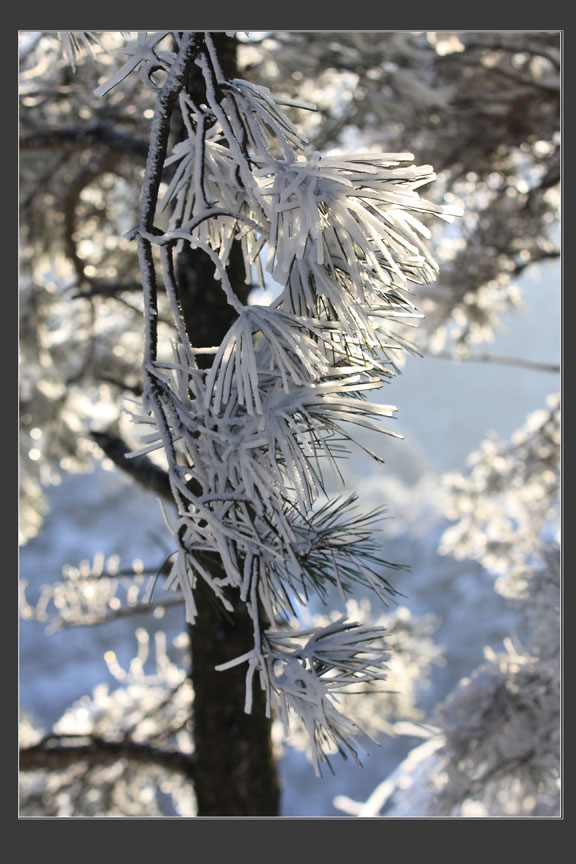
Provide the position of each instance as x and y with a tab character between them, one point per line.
249	439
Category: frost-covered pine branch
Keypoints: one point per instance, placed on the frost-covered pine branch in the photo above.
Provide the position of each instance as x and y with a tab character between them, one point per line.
248	440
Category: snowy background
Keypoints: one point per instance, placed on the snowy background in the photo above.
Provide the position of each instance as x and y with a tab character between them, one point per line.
445	411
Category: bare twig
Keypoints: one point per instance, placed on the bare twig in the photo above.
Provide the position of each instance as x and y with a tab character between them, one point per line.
542	255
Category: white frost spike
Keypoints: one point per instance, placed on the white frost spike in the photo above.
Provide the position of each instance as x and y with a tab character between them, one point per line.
305	678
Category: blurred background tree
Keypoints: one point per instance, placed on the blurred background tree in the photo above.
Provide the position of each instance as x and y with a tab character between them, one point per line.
484	109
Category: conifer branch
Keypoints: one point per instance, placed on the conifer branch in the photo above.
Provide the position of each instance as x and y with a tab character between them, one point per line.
248	436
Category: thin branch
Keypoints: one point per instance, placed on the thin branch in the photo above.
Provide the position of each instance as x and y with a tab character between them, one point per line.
87	176
123	612
55	752
151	185
494	43
56	139
164	703
127	573
113	289
552	86
543	255
161	128
159	133
135	389
547	85
495	358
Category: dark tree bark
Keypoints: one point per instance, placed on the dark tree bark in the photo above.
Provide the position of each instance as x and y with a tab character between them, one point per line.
234	767
235	772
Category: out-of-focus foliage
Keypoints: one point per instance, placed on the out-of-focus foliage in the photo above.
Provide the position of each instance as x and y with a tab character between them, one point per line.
506	505
80	165
150	706
502	725
96	592
495	748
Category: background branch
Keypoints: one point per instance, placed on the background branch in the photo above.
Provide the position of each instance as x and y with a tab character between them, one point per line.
58	139
123	612
60	751
140	468
495	358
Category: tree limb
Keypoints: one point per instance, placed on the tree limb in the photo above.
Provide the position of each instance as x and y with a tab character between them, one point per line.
60	751
57	139
140	468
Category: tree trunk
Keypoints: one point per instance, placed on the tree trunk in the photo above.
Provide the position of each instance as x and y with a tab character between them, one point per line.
235	771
